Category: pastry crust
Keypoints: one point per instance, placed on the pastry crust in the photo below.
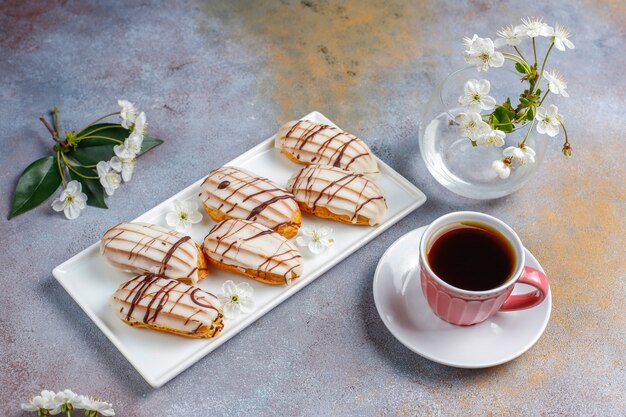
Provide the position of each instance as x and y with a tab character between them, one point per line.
204	332
234	193
253	250
324	213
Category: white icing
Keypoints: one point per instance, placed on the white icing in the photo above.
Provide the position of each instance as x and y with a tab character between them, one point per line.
178	312
342	192
317	144
247	245
142	248
242	191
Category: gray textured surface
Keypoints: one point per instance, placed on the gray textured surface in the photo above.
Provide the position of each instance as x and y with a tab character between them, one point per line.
214	79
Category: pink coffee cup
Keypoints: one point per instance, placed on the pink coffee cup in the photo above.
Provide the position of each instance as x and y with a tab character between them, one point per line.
463	307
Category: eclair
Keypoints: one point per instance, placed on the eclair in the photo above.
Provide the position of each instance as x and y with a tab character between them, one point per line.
147	248
337	194
169	306
310	143
253	250
234	193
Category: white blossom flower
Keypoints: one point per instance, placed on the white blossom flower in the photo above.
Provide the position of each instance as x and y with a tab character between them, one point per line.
317	239
65	400
44	401
130	148
494	138
236	298
471	125
481	52
548	120
524	154
128	113
184	214
502	168
533	27
109	179
556	82
140	124
561	35
509	36
476	97
94	407
71	201
123	164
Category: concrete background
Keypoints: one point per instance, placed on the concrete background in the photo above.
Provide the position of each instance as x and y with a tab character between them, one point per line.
215	79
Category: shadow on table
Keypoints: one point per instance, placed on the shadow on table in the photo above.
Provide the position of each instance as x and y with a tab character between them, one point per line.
108	360
403	359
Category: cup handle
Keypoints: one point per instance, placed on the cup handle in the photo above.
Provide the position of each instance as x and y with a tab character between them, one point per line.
537	279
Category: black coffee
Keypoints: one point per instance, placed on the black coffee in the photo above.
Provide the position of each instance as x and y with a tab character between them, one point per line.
472	256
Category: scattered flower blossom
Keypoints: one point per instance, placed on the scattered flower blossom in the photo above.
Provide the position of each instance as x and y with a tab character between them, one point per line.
130	148
533	27
95	407
184	214
471	125
65	401
476	97
556	82
502	168
42	403
523	154
128	113
316	239
140	125
561	35
509	36
236	298
109	179
481	52
122	163
548	120
494	138
71	201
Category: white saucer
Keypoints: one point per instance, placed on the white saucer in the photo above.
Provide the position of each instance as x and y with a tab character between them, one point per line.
404	310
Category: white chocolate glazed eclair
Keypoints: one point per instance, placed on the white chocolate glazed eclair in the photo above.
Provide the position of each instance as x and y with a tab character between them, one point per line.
234	193
169	306
311	143
253	250
339	195
148	248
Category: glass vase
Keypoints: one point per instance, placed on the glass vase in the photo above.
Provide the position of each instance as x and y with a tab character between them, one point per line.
453	161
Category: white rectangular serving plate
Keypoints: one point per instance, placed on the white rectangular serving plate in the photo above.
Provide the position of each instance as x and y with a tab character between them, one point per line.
159	357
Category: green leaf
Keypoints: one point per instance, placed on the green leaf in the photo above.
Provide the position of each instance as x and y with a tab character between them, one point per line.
531	114
504	116
92	188
148	143
524	102
38	182
91	155
520	68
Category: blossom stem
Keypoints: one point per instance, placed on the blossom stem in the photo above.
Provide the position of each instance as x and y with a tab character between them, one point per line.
101	137
520	53
518	59
544	97
97	120
52	132
56	121
71	167
99	129
535	52
528	133
59	154
544	65
565	132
